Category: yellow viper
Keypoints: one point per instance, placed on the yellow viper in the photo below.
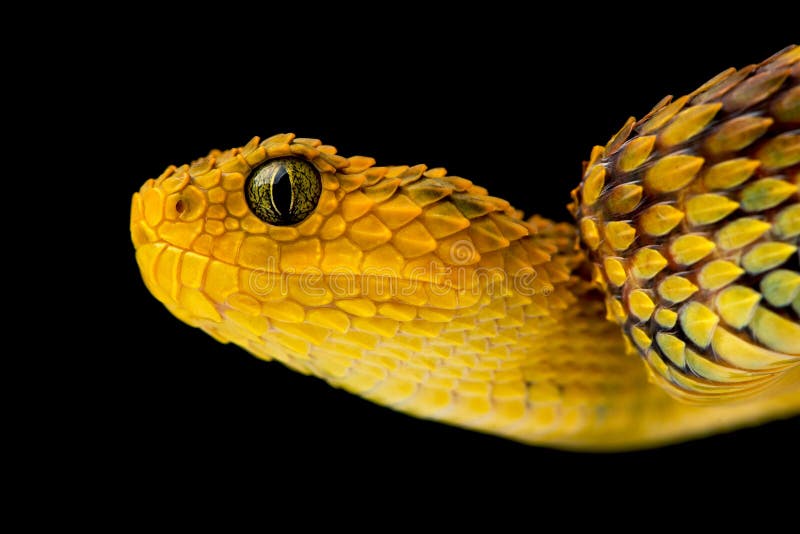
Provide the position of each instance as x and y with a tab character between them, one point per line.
669	311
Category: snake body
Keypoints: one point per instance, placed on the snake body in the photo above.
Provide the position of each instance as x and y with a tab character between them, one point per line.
669	311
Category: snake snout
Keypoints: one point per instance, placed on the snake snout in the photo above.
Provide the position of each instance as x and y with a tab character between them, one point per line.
141	232
168	215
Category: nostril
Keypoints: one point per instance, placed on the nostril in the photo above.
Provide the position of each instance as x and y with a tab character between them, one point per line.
179	206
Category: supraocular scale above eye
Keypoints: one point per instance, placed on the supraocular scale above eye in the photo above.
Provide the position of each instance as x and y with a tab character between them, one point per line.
283	191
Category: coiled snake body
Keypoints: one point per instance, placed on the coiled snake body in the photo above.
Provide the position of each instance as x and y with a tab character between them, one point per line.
669	311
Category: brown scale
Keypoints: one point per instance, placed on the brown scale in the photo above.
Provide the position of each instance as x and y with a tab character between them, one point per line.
692	225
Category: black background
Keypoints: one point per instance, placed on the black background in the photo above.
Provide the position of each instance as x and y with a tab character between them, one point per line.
514	110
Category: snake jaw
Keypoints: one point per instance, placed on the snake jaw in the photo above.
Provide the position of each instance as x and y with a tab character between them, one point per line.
686	225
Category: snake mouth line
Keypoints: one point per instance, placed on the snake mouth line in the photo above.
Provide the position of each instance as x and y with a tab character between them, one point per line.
165	264
382	282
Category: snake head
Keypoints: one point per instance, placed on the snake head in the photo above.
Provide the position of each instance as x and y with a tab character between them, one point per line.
249	243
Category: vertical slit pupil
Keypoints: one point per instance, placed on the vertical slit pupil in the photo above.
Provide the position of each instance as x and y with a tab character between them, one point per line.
282	191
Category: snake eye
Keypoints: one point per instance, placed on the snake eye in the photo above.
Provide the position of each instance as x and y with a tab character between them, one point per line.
283	191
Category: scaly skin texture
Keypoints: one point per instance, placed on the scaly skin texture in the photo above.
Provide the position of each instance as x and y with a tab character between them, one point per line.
419	291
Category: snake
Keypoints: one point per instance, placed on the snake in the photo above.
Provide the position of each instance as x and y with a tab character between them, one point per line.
666	312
